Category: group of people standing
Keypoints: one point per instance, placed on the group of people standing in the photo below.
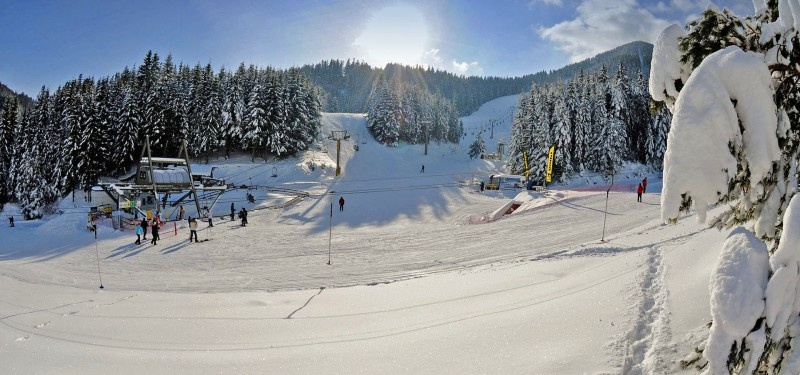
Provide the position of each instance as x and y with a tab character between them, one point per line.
141	230
156	223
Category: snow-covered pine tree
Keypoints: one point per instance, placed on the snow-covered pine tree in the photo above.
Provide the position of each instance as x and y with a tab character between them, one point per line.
277	137
211	114
9	119
561	132
541	117
127	131
384	116
49	157
103	120
656	143
734	138
583	123
254	126
91	152
232	105
520	141
28	181
477	147
150	111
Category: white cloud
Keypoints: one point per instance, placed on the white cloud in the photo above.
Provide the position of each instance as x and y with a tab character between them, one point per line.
467	68
431	57
549	2
602	25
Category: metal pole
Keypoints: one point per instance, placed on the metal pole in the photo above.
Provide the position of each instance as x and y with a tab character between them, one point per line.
605	213
97	253
338	169
330	233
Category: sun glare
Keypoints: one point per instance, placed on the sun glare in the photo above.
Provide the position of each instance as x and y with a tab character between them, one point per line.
396	33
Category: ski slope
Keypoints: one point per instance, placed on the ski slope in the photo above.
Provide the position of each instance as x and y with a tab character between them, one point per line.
414	285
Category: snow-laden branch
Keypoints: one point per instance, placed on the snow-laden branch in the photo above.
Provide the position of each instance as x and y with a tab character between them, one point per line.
737	299
666	67
706	138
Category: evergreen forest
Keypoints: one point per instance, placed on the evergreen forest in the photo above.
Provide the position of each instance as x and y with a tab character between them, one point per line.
595	121
90	127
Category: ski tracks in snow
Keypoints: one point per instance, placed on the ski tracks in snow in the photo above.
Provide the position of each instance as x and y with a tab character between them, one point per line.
650	335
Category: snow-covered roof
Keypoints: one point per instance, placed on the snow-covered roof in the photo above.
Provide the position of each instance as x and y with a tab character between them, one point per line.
177	161
171	176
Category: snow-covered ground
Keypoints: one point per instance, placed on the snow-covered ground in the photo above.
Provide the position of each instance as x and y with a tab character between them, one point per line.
425	276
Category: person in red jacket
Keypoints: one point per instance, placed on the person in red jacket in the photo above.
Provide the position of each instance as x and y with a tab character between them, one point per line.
644	185
639	192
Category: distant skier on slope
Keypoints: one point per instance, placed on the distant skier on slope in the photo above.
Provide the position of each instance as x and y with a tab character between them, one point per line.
639	192
341	203
644	185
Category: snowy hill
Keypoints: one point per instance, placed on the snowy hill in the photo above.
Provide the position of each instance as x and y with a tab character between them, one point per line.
414	286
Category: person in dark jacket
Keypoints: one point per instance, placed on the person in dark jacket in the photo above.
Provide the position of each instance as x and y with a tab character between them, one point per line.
341	203
644	185
233	211
156	227
243	216
144	228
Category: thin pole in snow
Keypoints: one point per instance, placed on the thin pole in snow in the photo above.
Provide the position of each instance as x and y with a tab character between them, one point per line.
97	253
605	213
330	233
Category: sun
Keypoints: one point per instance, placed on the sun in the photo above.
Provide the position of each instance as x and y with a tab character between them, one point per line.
394	34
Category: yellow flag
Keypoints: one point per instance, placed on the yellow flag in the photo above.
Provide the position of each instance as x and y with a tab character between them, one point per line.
550	155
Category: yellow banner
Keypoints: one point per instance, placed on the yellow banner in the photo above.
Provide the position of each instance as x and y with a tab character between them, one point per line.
550	156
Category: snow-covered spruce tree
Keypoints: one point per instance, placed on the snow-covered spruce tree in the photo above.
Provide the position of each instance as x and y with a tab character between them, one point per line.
254	125
541	116
734	138
126	131
277	137
384	114
562	136
9	118
583	124
520	140
477	147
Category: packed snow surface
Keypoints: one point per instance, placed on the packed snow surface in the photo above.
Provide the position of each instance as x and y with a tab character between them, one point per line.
425	276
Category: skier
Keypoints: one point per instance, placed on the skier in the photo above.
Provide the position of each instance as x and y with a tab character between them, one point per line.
192	229
482	186
243	216
139	232
423	169
639	193
341	203
644	185
144	228
11	221
155	233
181	213
233	211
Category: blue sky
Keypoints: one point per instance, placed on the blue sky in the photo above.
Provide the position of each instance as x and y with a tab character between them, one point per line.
49	42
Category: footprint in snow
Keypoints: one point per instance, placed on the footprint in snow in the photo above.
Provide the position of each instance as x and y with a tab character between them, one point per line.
23	338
